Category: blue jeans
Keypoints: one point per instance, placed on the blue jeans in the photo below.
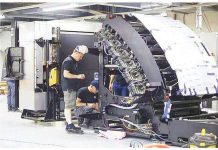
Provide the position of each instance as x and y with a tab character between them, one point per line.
120	90
11	95
167	109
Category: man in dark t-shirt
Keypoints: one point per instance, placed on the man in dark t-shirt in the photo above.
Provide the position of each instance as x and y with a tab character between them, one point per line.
87	102
69	81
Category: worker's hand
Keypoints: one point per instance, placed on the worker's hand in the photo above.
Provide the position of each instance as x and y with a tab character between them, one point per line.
93	106
81	76
110	87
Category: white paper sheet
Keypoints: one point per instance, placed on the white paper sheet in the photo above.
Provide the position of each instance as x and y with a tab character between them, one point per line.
196	71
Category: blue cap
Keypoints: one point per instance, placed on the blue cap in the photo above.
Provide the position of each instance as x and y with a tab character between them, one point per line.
95	84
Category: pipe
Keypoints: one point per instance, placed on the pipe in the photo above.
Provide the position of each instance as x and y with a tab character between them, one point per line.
198	21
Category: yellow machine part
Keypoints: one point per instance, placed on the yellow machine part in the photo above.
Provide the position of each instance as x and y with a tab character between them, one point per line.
54	77
202	145
3	83
3	87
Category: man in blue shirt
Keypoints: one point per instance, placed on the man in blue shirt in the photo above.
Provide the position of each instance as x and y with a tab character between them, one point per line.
118	85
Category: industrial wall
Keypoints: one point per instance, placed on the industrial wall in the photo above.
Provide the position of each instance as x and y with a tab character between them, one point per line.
5	41
209	21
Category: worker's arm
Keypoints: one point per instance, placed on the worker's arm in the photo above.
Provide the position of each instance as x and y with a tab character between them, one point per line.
111	82
79	103
69	75
93	105
67	66
96	106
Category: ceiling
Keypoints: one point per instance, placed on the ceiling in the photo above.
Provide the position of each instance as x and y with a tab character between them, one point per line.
89	11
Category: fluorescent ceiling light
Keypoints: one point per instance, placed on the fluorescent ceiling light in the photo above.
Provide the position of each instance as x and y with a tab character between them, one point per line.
2	16
73	5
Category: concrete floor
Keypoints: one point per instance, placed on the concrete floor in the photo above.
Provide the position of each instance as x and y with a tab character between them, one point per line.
16	132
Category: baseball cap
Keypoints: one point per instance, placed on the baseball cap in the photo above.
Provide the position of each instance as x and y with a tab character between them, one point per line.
95	84
82	49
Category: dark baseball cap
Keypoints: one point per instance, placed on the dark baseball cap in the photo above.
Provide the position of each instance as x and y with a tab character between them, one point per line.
95	84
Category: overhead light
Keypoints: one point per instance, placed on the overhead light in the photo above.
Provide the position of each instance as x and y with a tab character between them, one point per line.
2	16
73	5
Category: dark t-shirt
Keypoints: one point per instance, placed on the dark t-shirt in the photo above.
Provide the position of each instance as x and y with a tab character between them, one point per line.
86	96
69	64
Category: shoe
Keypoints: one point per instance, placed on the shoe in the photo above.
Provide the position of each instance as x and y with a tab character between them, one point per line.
9	108
85	125
14	109
70	128
80	121
76	131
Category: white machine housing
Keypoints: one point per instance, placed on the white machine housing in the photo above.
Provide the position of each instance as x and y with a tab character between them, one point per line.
29	32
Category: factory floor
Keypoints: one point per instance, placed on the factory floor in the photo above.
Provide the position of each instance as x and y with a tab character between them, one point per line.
21	133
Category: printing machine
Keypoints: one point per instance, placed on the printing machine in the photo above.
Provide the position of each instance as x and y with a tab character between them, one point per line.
168	69
169	72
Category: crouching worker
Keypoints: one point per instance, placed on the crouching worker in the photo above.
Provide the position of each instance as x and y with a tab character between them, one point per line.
86	102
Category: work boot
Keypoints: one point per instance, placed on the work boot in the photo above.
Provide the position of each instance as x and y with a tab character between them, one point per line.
80	121
70	128
9	108
14	109
86	123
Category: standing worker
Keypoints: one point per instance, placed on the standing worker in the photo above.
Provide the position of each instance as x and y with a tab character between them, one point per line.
11	95
118	85
70	78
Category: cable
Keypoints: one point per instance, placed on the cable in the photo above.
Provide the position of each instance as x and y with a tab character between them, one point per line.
137	68
159	136
56	90
135	81
106	52
149	131
128	127
175	84
135	144
145	130
120	70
